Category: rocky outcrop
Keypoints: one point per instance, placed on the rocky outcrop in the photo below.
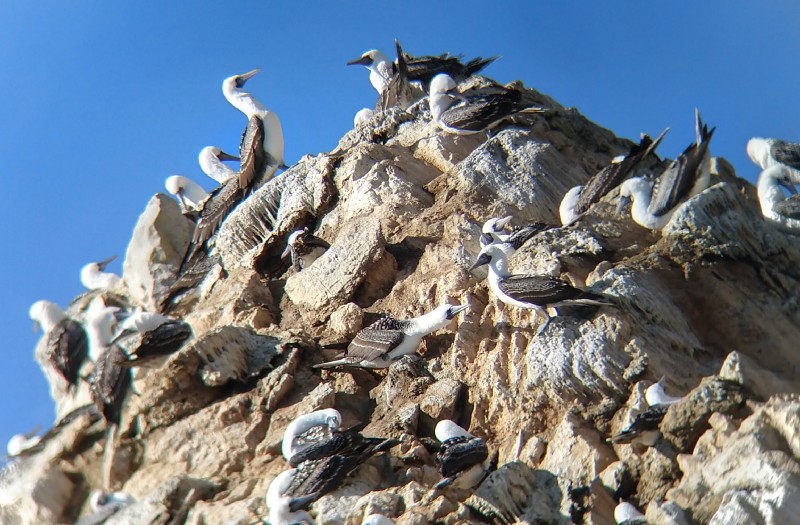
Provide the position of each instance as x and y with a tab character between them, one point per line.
711	304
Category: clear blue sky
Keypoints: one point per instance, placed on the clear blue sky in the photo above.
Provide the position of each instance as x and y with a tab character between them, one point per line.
100	101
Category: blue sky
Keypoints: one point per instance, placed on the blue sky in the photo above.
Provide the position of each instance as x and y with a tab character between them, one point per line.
101	101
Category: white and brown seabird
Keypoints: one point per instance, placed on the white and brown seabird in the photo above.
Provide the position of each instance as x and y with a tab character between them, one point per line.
776	207
474	113
260	153
307	429
627	514
388	339
304	248
534	292
493	232
279	503
66	343
421	69
656	395
315	477
23	444
685	177
161	336
94	278
462	456
643	430
767	153
579	199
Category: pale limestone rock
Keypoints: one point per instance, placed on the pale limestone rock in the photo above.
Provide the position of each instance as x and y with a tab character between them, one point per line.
159	242
172	498
33	492
347	320
333	278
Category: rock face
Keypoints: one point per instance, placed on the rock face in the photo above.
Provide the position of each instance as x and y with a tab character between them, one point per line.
712	303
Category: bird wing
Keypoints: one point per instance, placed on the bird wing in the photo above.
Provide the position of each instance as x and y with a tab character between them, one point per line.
521	235
460	453
398	91
645	421
376	341
538	289
218	205
163	340
679	177
612	175
479	112
251	152
788	207
110	384
67	346
787	153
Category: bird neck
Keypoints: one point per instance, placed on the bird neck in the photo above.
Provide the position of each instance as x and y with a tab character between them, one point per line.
244	101
51	316
641	194
439	104
216	169
498	266
769	191
425	324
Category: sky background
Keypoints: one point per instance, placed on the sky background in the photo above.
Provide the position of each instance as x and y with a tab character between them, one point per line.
101	101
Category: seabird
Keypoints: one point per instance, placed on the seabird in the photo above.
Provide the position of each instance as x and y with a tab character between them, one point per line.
100	320
190	195
211	162
534	292
304	248
775	206
104	505
461	456
643	428
66	341
685	177
296	436
656	395
376	519
161	336
388	339
775	152
316	477
421	69
261	154
94	278
279	504
338	442
579	199
476	112
31	443
627	514
493	232
362	116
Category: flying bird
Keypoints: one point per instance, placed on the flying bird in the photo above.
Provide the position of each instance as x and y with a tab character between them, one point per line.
685	177
534	292
304	248
461	456
476	112
94	278
388	339
579	199
66	343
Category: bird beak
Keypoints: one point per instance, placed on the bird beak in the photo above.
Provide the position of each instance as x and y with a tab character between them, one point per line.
482	259
247	76
360	61
455	94
486	239
227	156
504	221
36	326
456	309
102	264
623	202
286	252
789	187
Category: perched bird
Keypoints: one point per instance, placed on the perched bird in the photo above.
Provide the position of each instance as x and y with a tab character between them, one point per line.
307	429
767	153
66	344
493	232
643	428
388	339
279	504
190	195
161	336
475	113
211	162
579	199
94	278
421	69
338	442
461	456
685	177
139	322
23	445
656	395
535	292
627	514
304	248
100	321
261	154
783	212
316	477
